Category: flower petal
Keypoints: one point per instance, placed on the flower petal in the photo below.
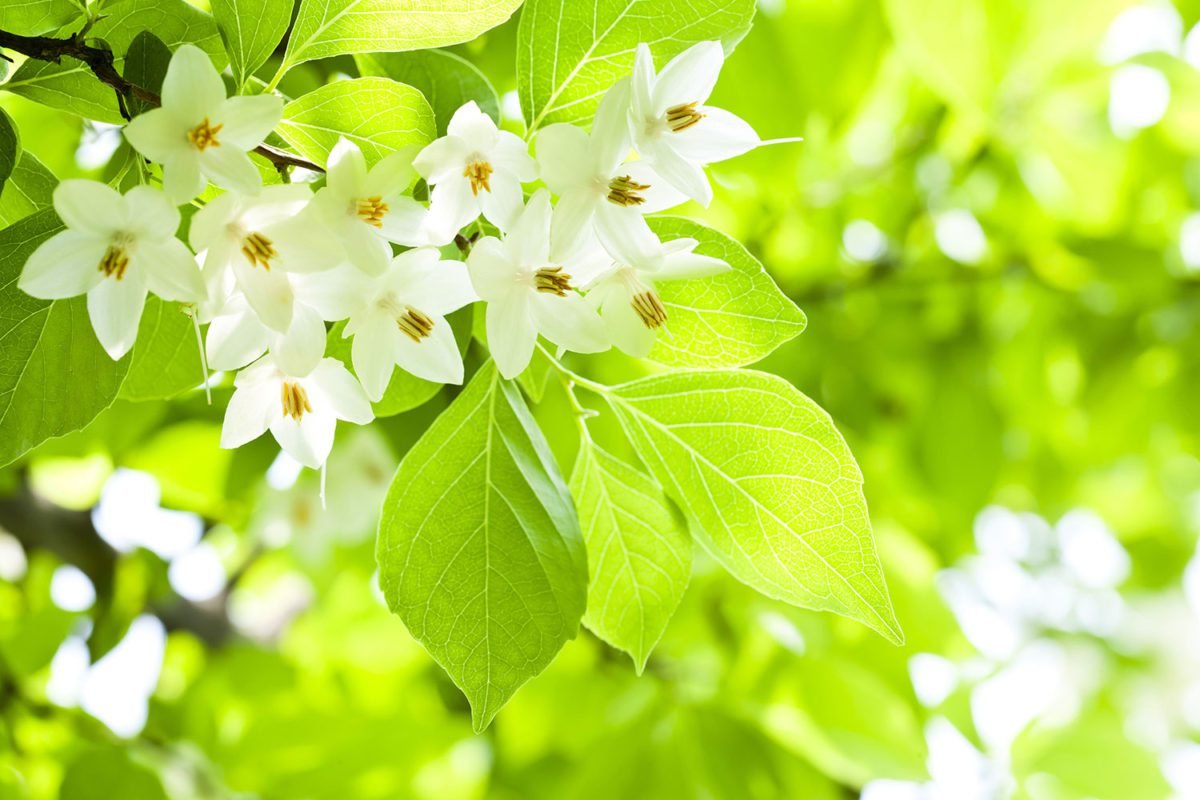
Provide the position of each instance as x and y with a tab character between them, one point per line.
334	293
684	175
529	237
474	127
451	206
309	439
234	340
686	264
246	121
365	248
572	216
170	271
435	287
115	307
441	159
150	213
502	203
268	291
90	207
610	128
157	135
510	154
435	358
305	245
511	334
65	265
641	89
624	327
347	168
300	349
569	322
407	222
625	235
564	156
192	87
393	174
230	168
661	195
182	180
689	77
373	353
720	135
251	410
342	392
492	271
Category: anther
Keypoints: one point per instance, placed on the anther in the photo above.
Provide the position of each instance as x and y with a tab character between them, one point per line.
415	324
115	262
294	400
371	210
258	250
683	116
205	135
625	191
479	173
552	280
649	308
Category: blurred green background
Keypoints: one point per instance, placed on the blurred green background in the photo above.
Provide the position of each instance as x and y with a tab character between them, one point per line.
992	225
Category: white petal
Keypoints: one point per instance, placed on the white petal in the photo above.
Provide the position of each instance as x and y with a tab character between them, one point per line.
493	274
510	154
529	237
90	207
182	180
115	308
192	87
209	224
300	349
502	203
435	287
246	121
268	291
569	322
474	127
308	440
684	175
234	340
624	327
572	216
406	222
150	213
305	245
686	264
689	77
334	293
170	271
451	206
393	174
435	358
610	128
342	392
373	353
641	85
511	334
661	195
365	248
273	205
157	135
347	167
564	156
441	159
626	236
250	412
230	168
65	265
720	135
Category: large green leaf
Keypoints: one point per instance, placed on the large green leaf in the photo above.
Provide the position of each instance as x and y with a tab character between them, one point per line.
166	358
446	80
479	548
30	188
378	114
71	85
10	146
105	772
251	29
334	27
639	553
568	54
729	320
35	17
769	484
54	376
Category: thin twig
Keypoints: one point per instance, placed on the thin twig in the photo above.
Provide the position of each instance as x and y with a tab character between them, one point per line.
100	62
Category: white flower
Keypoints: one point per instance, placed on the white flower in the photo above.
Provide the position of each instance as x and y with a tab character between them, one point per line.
198	133
261	238
671	126
626	295
475	168
527	294
115	249
401	320
590	175
301	411
366	209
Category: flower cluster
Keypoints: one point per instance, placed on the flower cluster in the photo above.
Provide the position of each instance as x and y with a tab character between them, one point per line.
270	266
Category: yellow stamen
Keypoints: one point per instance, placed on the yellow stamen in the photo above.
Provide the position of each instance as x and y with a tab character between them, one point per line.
683	116
205	135
625	191
258	250
295	400
480	173
649	308
371	210
115	262
415	324
552	280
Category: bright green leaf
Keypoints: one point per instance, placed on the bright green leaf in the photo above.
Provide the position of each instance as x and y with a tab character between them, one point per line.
166	358
54	376
729	320
251	30
446	80
378	114
106	772
568	54
36	17
327	28
10	146
639	553
770	485
30	188
479	548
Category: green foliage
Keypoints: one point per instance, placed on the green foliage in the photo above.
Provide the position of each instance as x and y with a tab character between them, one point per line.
165	361
251	30
377	114
106	772
446	80
50	353
479	549
27	190
35	17
10	147
568	54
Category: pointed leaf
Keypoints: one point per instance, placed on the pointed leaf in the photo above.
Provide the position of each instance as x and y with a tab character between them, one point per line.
30	188
251	30
447	80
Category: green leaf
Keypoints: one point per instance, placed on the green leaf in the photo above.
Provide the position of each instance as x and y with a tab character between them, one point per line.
769	484
479	548
446	80
30	188
71	86
146	64
378	114
639	553
251	30
568	54
35	17
729	320
327	28
166	357
104	772
10	146
54	376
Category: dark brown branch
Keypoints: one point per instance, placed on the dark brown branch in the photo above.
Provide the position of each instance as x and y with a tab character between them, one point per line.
100	62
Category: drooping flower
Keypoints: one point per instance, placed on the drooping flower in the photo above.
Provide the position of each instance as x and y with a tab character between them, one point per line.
593	179
301	411
626	295
402	321
115	249
475	168
367	208
200	134
670	124
528	294
262	239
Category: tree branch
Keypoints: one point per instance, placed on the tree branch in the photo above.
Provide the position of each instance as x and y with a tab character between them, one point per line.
100	62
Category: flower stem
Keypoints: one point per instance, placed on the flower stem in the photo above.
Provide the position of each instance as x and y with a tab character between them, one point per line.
203	356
